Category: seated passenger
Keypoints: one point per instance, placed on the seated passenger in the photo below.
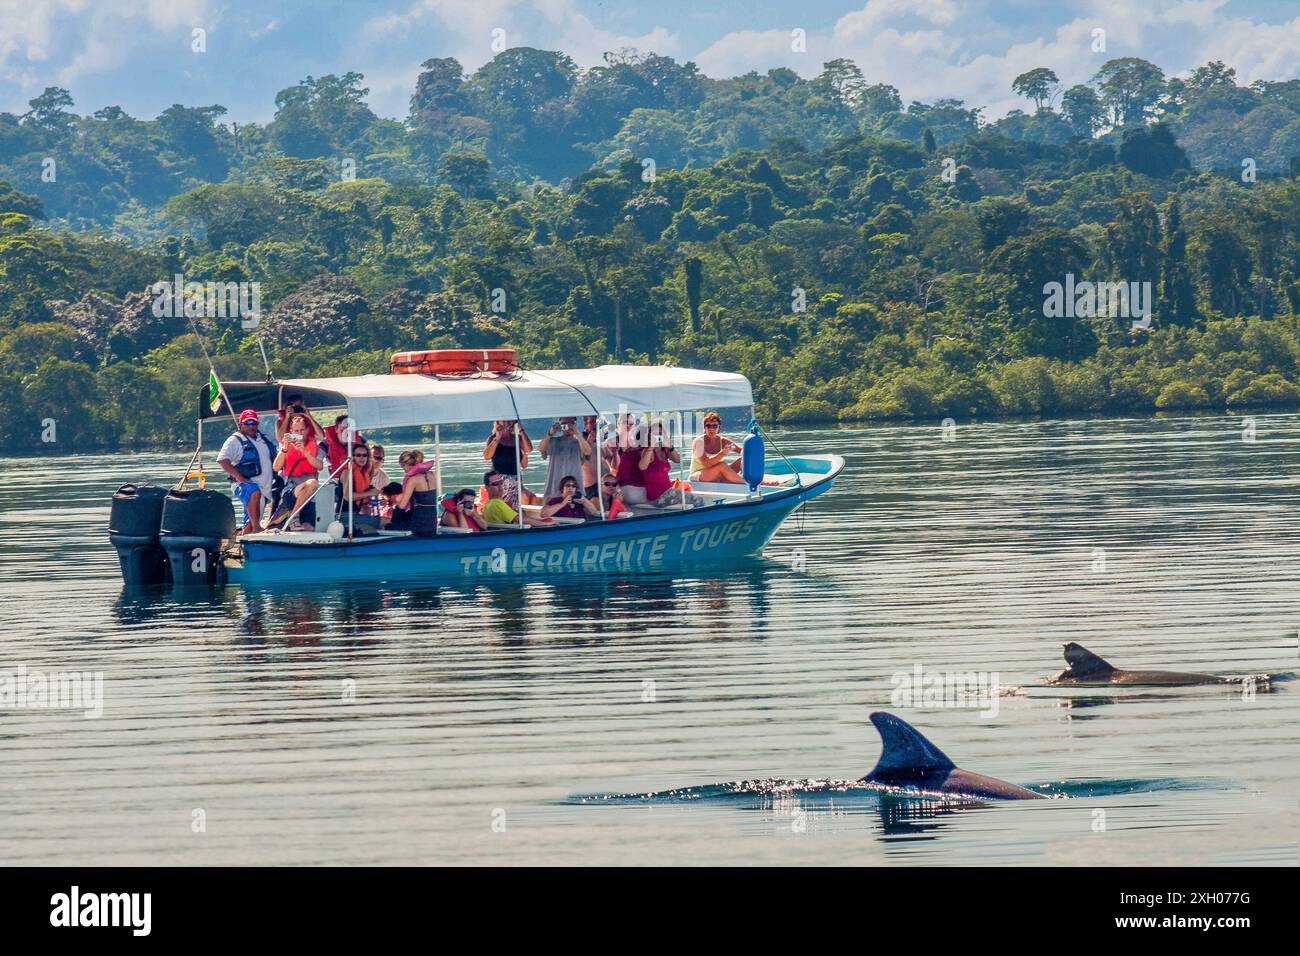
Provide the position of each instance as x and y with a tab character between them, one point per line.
358	492
388	496
709	454
299	462
570	502
629	473
377	473
496	511
458	511
336	452
657	458
615	442
294	405
611	496
416	508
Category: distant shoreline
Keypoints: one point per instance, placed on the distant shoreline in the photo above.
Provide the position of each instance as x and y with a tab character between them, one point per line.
213	444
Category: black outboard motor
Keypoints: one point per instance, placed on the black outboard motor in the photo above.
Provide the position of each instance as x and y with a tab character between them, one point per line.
133	526
194	523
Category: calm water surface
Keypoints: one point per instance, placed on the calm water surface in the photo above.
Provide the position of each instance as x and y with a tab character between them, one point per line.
395	724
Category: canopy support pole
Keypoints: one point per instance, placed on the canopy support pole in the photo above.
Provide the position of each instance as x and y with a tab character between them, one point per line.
519	478
597	449
681	461
437	458
352	505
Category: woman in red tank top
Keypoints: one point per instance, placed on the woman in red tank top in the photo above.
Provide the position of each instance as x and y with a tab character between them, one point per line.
629	470
657	459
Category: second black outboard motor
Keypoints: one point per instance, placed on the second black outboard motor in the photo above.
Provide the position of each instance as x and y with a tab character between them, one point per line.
194	524
133	525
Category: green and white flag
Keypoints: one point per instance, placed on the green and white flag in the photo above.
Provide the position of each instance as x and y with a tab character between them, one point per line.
214	391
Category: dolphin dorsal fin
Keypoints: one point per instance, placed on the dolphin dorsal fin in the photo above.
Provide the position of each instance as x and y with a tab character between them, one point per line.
1083	661
903	747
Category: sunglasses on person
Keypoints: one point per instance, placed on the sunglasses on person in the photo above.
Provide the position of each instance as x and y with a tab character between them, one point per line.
359	454
711	425
378	457
610	484
494	484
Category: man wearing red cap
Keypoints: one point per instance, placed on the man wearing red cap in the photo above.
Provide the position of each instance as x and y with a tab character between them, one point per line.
246	457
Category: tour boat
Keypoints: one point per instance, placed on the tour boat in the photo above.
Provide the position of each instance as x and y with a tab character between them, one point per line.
186	535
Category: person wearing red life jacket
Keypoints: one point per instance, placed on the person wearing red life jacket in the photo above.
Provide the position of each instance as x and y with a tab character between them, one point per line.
299	462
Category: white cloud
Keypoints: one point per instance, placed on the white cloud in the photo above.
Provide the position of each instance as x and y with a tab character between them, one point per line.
878	12
464	29
936	48
262	31
56	42
971	49
744	50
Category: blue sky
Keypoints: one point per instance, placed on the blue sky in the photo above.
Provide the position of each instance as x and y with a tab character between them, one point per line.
138	54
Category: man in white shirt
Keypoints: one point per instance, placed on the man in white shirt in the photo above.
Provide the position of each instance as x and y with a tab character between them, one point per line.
246	457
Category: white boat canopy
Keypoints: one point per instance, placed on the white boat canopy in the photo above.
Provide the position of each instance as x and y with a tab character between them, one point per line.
395	401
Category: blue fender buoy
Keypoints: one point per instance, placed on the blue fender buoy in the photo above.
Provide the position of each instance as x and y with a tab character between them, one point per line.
753	457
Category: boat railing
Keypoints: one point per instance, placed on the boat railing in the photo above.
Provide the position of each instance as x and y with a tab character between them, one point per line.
776	479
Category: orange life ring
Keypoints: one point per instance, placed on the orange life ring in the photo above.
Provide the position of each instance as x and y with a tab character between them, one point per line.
454	362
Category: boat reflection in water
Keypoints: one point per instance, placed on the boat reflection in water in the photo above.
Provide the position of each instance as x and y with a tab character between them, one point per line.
563	608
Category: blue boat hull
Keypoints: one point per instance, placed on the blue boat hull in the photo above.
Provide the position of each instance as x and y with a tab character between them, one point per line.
711	534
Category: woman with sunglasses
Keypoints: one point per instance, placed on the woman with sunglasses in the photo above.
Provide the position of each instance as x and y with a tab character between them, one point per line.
378	476
657	459
379	480
358	492
709	454
570	503
500	450
611	496
458	511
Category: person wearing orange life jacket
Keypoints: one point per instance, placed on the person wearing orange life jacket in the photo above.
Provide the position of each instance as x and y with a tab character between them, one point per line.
611	497
458	511
361	488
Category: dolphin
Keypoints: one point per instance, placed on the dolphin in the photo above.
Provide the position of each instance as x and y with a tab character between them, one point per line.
908	761
1087	668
